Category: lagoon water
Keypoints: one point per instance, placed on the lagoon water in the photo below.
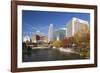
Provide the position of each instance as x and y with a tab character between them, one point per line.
48	55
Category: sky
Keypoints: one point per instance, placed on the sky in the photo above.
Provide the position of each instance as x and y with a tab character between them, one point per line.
33	21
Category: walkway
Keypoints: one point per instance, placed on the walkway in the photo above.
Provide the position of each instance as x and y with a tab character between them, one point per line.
68	50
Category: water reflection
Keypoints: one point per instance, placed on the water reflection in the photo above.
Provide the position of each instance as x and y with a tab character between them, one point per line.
47	55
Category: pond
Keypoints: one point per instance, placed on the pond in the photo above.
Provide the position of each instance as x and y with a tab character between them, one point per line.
36	55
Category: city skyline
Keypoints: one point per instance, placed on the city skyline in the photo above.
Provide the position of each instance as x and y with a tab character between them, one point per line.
33	21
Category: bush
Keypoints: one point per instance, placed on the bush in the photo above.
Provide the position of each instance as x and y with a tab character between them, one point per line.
67	42
57	44
85	53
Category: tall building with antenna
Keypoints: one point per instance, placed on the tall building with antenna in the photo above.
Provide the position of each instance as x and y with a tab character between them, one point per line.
50	33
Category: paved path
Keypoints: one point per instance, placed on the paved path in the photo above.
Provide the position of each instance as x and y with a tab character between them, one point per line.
68	50
40	47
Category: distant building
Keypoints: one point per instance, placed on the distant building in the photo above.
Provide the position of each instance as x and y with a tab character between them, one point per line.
26	39
44	39
59	34
38	37
74	25
35	38
57	38
50	33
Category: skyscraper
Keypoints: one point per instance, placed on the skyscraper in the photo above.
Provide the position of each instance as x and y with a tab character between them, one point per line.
74	25
50	33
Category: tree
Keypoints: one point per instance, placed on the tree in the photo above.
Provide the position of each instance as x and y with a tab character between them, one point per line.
82	36
82	40
67	42
57	44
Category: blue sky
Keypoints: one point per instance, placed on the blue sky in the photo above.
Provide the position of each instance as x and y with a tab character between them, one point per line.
33	21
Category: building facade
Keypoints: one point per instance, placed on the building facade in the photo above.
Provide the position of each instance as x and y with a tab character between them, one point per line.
50	33
60	33
38	38
74	25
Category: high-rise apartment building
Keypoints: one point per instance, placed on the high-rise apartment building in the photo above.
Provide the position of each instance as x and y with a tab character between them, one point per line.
74	25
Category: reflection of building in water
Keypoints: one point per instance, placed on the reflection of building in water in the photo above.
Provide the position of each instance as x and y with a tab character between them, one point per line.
50	33
74	25
38	37
26	39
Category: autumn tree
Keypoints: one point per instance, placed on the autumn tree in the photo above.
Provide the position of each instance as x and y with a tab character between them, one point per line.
67	42
57	44
82	39
82	36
